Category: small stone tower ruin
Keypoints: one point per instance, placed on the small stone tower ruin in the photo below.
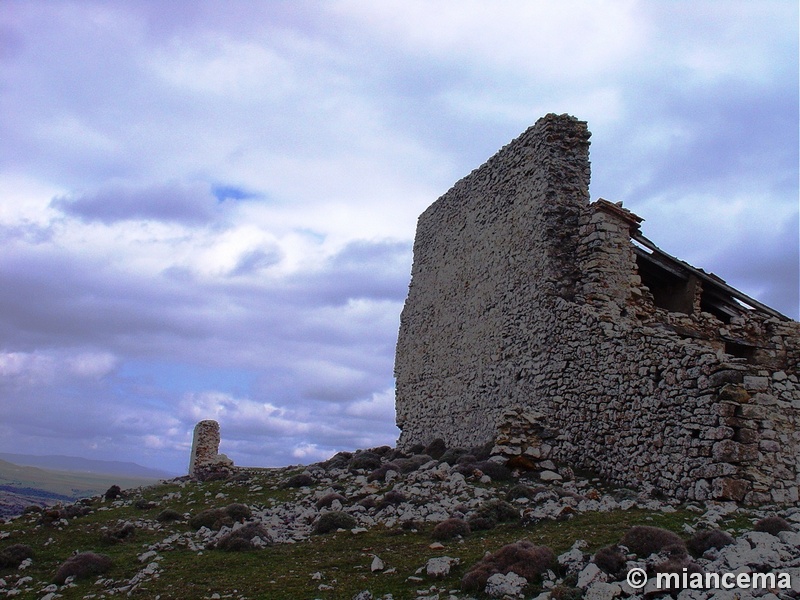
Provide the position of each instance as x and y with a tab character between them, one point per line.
551	326
205	450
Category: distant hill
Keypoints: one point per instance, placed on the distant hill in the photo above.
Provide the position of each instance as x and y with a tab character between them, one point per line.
85	465
21	486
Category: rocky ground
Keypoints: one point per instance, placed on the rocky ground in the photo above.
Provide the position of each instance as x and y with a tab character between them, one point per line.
381	524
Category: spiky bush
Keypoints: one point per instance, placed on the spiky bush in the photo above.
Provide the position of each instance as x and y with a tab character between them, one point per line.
435	449
450	528
167	515
243	538
117	535
365	460
113	493
495	470
773	525
81	566
327	500
498	511
379	474
298	481
643	540
238	511
705	539
13	555
566	592
610	559
331	521
452	455
524	491
479	523
523	558
392	497
213	518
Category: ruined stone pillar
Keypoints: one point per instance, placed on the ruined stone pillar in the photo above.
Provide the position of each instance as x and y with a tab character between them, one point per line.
205	448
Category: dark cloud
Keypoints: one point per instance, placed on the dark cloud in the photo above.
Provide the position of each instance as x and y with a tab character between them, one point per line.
171	202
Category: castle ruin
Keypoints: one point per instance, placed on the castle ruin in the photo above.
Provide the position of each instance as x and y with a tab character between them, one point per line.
551	326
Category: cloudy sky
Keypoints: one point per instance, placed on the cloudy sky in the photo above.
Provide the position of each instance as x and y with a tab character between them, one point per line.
207	208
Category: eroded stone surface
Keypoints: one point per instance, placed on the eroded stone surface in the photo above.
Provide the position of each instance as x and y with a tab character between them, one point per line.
533	321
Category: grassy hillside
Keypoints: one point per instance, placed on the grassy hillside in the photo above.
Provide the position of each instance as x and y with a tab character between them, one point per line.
62	484
167	559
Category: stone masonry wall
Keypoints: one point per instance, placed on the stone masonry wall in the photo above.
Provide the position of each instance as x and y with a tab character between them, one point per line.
528	323
205	455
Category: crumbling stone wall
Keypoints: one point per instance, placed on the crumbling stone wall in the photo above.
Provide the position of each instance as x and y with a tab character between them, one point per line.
205	455
534	321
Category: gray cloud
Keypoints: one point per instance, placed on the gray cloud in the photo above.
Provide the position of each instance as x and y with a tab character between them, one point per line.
171	202
131	307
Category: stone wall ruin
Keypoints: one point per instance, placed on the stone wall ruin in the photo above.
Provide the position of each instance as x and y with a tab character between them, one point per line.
205	457
551	326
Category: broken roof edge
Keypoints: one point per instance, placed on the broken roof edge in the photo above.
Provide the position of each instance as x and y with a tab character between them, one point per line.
634	221
710	278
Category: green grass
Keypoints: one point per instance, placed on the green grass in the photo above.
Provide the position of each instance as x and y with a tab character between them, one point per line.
284	571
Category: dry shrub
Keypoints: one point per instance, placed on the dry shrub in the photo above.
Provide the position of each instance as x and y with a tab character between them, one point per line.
298	481
478	523
80	566
706	539
610	560
523	558
677	565
242	538
167	515
365	460
565	592
643	540
773	525
392	497
12	556
213	518
495	470
452	455
435	449
332	521
379	474
498	511
238	512
520	491
122	533
327	500
450	528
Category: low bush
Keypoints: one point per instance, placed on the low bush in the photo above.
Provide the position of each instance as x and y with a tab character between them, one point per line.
238	512
327	500
495	470
435	449
331	521
498	511
610	559
365	460
523	558
379	474
298	481
12	556
81	566
245	538
119	534
643	540
705	539
212	518
773	525
113	493
167	515
450	528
